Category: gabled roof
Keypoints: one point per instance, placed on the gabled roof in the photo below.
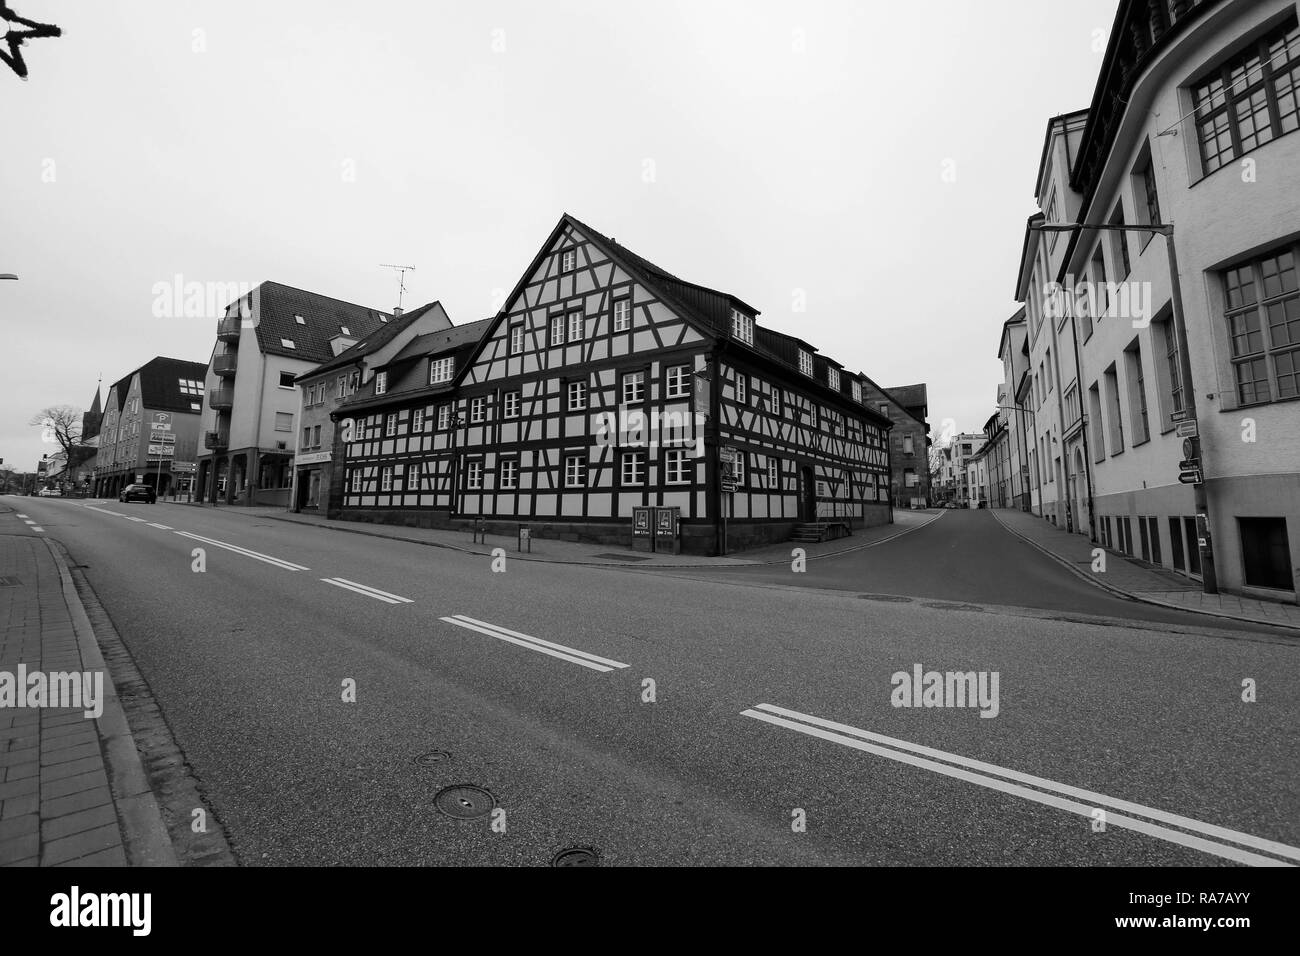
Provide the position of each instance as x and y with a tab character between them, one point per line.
160	387
376	340
323	317
444	340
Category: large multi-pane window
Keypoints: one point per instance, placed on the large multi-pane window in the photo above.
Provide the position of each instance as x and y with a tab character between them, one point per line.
633	387
1249	100
633	467
474	475
679	381
1263	314
441	370
477	410
512	405
557	329
742	388
1137	394
417	420
577	396
742	326
575	471
516	338
444	417
622	315
390	425
1149	197
833	378
676	467
568	260
575	325
509	473
805	362
1173	365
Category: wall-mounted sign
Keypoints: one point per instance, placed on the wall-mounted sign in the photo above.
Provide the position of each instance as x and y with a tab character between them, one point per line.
161	451
315	458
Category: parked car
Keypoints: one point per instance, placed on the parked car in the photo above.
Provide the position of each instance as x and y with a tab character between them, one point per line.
138	493
49	493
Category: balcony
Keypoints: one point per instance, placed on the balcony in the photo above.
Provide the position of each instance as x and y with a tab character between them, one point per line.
218	440
225	364
221	398
228	328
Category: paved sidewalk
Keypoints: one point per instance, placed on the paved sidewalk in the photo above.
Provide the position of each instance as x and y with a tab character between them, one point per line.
1142	581
608	555
72	792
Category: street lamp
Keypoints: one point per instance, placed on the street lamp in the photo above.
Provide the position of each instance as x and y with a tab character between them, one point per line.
1209	579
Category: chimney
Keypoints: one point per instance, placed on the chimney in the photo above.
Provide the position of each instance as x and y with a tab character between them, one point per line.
397	312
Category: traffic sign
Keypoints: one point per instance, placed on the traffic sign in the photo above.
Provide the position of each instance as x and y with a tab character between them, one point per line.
728	454
1190	476
1187	429
1182	415
1189	464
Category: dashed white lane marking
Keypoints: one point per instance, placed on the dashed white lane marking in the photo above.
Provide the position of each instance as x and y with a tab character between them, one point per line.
134	518
37	527
105	511
908	753
22	516
28	521
160	527
257	555
368	591
574	656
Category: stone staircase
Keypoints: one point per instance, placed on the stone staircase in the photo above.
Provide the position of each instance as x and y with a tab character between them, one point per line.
814	532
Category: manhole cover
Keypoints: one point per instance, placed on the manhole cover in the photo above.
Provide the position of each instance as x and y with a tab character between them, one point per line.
465	801
432	757
891	598
942	606
576	856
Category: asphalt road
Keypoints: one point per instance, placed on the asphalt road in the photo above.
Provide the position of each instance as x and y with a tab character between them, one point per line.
248	659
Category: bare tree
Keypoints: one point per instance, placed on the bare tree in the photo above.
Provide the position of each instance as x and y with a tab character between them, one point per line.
61	424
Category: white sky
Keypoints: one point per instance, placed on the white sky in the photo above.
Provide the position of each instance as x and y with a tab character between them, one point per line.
773	169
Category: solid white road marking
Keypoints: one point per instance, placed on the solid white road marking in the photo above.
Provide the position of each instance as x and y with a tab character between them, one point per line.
160	527
133	518
846	735
535	643
367	591
287	565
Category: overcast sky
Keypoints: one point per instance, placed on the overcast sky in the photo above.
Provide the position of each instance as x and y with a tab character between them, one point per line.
766	149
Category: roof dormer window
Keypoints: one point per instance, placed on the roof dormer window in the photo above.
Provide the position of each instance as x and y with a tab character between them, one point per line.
742	326
381	383
288	343
833	378
300	320
805	362
344	330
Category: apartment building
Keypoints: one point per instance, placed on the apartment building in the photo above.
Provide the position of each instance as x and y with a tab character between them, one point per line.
265	341
1013	353
150	427
909	440
607	385
1189	131
325	387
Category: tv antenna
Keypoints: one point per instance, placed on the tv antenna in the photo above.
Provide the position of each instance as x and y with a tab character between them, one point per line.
401	278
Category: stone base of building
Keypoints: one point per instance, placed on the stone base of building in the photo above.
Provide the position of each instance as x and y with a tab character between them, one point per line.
697	537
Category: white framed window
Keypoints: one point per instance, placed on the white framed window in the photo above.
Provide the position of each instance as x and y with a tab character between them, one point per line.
679	381
356	481
634	469
417	420
568	260
742	327
812	416
833	378
516	339
509	472
386	478
286	380
288	343
774	472
557	329
381	383
577	396
742	388
575	471
576	324
738	467
413	475
776	401
805	362
622	314
442	370
821	489
474	475
300	320
633	387
677	467
390	425
345	330
444	417
512	405
857	390
477	410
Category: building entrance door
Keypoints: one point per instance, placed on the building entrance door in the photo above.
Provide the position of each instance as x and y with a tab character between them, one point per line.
807	495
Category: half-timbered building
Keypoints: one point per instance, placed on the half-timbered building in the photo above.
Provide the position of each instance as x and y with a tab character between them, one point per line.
606	384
